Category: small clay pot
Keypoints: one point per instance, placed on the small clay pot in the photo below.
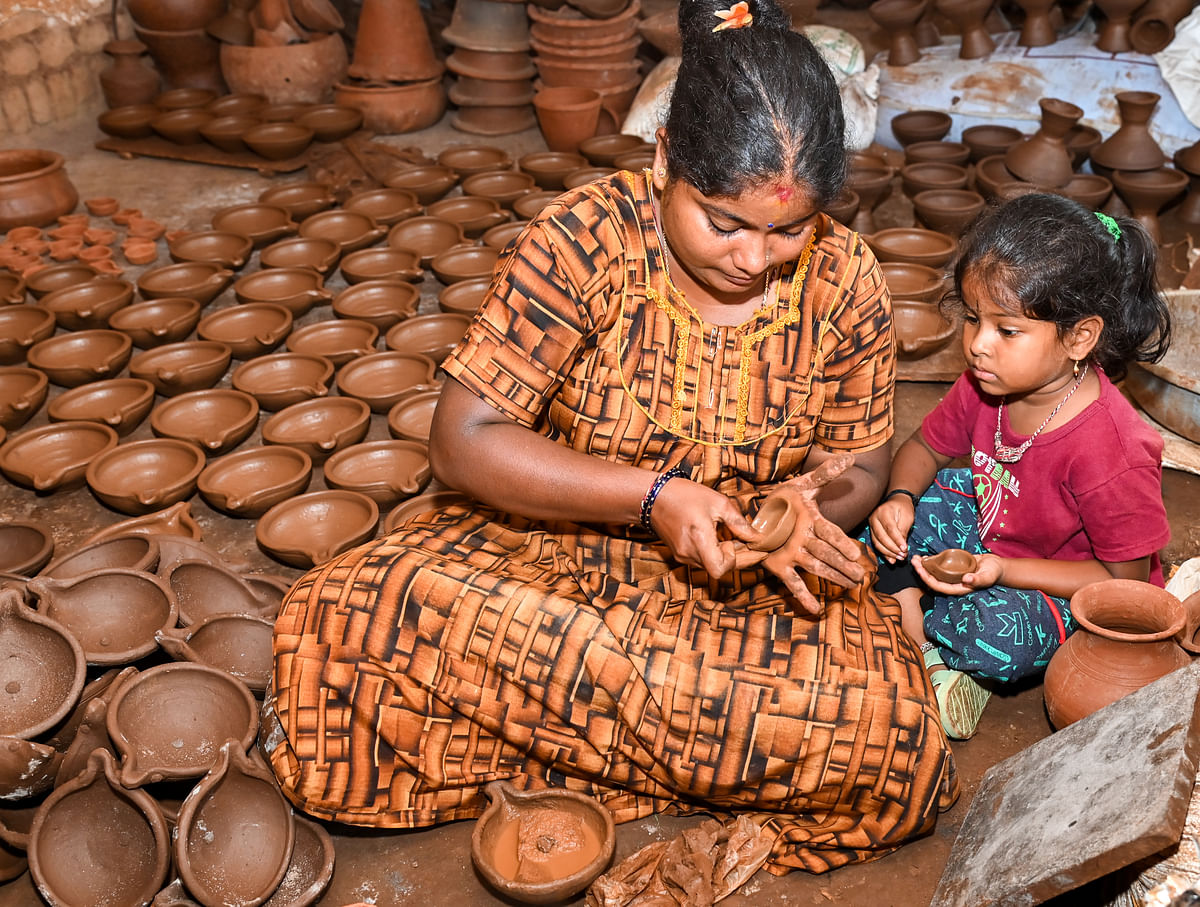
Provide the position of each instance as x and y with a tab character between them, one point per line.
263	223
249	330
603	150
920	126
175	368
55	457
913	244
296	289
55	277
473	213
130	552
434	335
81	356
320	427
21	326
239	644
384	263
182	127
386	471
131	121
25	548
168	319
464	263
202	281
549	167
951	565
119	403
281	379
428	182
222	247
238	103
301	252
1089	189
467	160
906	280
301	199
349	229
925	175
44	668
384	379
215	419
411	418
386	205
205	588
989	139
776	520
331	122
948	211
22	392
339	341
427	236
144	476
249	482
316	527
89	304
277	141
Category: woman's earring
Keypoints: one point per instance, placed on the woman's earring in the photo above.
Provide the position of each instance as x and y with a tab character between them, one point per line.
662	171
1076	368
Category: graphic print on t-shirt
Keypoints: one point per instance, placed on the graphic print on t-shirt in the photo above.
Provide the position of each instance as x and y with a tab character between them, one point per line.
991	479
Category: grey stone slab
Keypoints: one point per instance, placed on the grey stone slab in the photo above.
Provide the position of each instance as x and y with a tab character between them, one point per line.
1100	794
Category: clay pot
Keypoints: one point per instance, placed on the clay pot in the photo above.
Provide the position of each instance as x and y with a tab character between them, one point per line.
422	503
284	112
941	152
775	519
22	393
386	206
249	330
411	418
164	721
182	127
277	141
474	214
34	188
113	612
464	263
175	368
131	552
202	281
926	175
301	72
970	17
386	263
948	211
988	139
281	379
25	548
1132	146
951	565
1153	26
129	122
1089	189
509	843
1188	160
89	304
1127	637
249	482
921	329
127	81
94	840
205	588
872	185
120	403
1147	192
898	18
1081	141
468	160
427	236
390	109
263	223
1114	28
144	476
491	120
393	44
296	289
567	115
310	869
991	174
44	668
549	167
913	244
568	25
331	122
384	379
603	150
906	280
55	277
920	126
385	471
339	341
216	419
349	229
428	182
502	187
21	326
1037	27
464	297
1043	158
320	426
316	253
316	527
301	199
434	335
236	104
483	25
222	247
82	356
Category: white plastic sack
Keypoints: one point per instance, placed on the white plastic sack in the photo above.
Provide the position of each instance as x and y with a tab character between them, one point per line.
1179	62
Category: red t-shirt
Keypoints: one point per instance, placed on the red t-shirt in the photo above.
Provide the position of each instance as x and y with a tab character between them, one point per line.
1089	489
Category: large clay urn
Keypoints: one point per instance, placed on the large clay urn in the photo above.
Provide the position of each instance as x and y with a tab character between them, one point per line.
392	43
1043	158
1128	636
34	188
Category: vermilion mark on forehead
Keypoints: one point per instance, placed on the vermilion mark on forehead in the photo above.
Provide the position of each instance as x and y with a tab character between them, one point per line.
783	194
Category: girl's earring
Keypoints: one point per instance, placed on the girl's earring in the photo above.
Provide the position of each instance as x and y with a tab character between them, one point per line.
662	171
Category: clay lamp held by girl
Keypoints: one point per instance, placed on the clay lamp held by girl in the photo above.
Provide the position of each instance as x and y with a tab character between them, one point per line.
951	565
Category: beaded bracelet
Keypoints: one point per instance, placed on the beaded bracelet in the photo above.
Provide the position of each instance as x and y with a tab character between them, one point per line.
652	494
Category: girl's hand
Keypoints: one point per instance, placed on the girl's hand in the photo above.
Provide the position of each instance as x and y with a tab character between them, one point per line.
686	515
890	524
989	570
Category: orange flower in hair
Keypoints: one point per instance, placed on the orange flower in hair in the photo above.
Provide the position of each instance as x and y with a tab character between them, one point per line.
737	16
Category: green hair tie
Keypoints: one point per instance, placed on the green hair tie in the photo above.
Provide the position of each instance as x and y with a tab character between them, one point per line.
1110	224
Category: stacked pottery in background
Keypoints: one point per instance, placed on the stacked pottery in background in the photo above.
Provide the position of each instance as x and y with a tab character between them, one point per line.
493	85
173	32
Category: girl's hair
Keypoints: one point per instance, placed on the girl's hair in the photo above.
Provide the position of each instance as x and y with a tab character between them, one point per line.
751	104
1061	263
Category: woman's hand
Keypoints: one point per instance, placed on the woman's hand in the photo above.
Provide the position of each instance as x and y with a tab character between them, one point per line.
890	523
989	570
686	515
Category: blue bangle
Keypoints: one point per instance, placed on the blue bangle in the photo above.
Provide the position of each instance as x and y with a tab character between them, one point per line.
652	494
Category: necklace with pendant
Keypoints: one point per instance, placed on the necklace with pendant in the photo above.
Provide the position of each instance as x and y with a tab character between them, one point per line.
1006	454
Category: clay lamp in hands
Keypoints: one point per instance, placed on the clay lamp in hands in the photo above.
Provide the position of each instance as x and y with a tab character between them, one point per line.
951	565
775	520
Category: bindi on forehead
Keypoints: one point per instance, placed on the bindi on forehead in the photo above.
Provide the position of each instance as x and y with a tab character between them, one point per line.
783	194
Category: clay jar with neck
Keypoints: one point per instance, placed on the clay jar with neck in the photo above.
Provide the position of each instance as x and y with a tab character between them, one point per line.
969	16
1131	147
127	81
1044	158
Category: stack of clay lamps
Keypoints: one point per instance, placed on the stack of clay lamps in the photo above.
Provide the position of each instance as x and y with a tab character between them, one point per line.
493	88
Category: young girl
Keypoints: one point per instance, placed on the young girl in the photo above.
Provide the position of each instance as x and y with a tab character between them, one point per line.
1064	483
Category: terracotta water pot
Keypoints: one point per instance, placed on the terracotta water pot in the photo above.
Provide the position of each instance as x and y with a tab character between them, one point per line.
567	115
127	80
1128	636
390	108
1043	158
302	72
34	188
392	44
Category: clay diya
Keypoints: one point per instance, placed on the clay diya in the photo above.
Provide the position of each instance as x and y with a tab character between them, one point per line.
120	403
471	212
331	122
1089	189
948	211
990	174
89	304
906	280
464	263
144	476
130	121
22	393
386	471
205	588
296	289
989	139
549	167
920	126
158	321
113	612
56	456
12	288
263	223
775	519
181	98
175	368
921	328
387	205
382	264
170	527
27	768
582	177
43	669
501	186
237	103
281	379
277	141
603	150
225	132
215	419
310	869
269	589
951	565
223	247
21	326
82	356
530	205
633	160
320	426
384	379
467	160
249	330
941	152
349	229
428	182
132	552
200	280
434	335
25	548
501	235
427	236
382	303
165	721
316	527
411	418
234	811
96	841
423	503
316	253
248	482
300	198
913	244
339	341
56	277
541	847
182	127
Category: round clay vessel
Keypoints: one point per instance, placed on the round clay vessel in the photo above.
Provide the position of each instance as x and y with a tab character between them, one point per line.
144	476
131	121
471	212
331	122
296	289
428	182
1128	636
88	305
263	223
394	107
1089	189
990	174
281	379
310	869
201	280
541	847
55	277
95	841
113	612
234	836
1132	146
204	588
410	419
925	175
339	341
301	252
948	211
427	236
422	503
584	176
920	126
81	356
1081	141
22	392
239	644
382	263
215	419
382	303
384	379
277	141
913	244
175	368
120	403
349	229
238	103
300	72
467	160
921	328
170	527
386	205
320	426
906	280
165	721
223	247
1044	158
950	565
1147	192
940	152
988	139
182	126
316	527
34	188
501	186
158	321
54	457
301	199
12	288
530	205
603	150
386	471
464	263
248	482
21	326
26	546
501	235
27	768
249	330
180	98
872	184
434	335
43	669
549	167
225	132
775	519
132	552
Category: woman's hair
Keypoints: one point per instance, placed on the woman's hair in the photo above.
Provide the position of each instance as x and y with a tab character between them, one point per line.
752	104
1062	263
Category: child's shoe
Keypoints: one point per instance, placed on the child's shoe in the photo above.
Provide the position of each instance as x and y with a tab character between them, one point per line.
960	699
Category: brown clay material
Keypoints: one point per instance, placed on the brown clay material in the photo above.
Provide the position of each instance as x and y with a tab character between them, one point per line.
21	326
383	379
225	248
200	280
249	330
898	18
386	471
433	335
120	403
27	768
300	72
913	244
422	503
775	520
296	289
951	565
42	669
225	132
906	280
26	546
386	205
128	122
349	229
181	126
923	175
427	236
320	426
988	139
383	263
215	419
55	457
310	869
249	482
140	477
89	304
175	368
1044	158
239	644
132	552
263	223
168	319
429	182
301	252
948	211
23	390
970	17
464	263
315	527
411	418
34	188
340	340
281	379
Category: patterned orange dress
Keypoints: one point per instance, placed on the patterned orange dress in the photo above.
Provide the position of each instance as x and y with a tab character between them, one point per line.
471	645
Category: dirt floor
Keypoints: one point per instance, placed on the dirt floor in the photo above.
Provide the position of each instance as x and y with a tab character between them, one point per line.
433	867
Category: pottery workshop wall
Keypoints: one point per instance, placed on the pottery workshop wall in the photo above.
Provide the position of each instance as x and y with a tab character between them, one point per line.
50	57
